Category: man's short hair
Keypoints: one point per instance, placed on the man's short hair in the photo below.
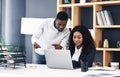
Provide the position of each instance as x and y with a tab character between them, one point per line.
62	15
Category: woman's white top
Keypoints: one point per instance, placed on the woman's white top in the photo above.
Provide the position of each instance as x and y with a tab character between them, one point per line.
47	34
77	54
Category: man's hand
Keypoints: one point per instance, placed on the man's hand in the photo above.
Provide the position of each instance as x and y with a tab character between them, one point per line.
36	45
57	46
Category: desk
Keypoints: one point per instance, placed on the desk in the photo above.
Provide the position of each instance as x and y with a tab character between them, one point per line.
34	70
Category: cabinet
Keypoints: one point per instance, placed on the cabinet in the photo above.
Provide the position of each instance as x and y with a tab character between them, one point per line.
75	15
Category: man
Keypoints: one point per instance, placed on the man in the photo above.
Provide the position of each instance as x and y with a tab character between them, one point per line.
52	33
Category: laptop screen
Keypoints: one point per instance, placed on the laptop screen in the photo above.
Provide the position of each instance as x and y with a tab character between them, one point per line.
58	59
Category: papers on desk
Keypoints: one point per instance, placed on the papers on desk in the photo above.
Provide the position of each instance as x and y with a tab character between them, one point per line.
102	72
99	75
102	68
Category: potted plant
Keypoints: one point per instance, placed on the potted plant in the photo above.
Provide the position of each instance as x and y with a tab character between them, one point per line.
2	42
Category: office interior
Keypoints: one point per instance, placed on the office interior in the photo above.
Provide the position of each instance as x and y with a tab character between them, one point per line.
11	12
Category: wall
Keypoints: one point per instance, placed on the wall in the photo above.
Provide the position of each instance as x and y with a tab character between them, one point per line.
38	9
12	11
0	17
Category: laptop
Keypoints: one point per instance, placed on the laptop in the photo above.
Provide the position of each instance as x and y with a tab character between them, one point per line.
58	59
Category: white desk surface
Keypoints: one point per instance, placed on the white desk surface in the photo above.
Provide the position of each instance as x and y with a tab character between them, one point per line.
34	70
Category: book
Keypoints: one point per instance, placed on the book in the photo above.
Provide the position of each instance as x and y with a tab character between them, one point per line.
103	18
102	68
108	17
82	1
99	18
67	2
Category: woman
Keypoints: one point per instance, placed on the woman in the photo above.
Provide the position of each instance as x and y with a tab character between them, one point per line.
81	46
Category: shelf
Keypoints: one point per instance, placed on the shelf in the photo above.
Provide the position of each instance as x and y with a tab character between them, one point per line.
108	49
65	5
91	3
107	3
111	26
83	4
77	4
77	16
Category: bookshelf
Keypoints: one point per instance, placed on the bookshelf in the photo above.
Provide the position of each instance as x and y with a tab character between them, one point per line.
75	14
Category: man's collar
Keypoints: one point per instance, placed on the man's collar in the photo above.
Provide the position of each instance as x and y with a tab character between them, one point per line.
55	25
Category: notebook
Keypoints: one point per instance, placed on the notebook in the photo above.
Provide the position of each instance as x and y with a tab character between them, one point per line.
58	59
